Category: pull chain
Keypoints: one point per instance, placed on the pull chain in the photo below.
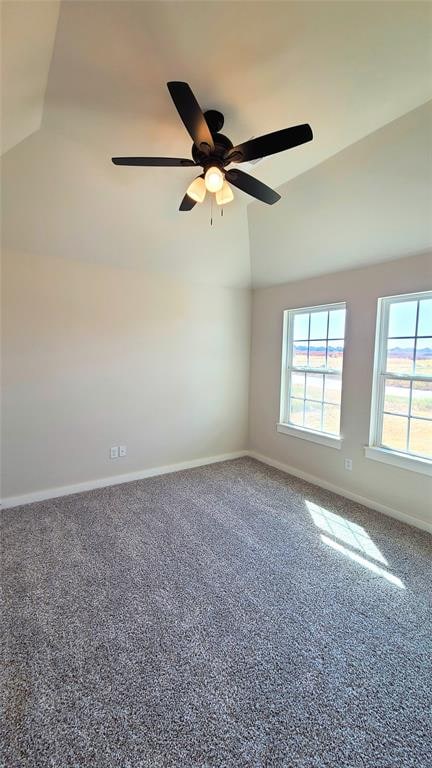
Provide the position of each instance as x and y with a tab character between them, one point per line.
211	211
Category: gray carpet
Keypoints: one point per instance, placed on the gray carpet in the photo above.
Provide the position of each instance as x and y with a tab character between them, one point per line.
214	618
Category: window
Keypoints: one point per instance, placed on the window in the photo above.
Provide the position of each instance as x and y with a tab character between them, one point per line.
401	419
312	358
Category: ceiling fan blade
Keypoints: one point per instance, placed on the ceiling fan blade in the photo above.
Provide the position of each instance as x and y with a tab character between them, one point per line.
252	186
192	116
270	144
154	161
187	203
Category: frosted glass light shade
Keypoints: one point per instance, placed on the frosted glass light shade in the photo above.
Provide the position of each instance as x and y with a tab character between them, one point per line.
224	195
197	190
214	179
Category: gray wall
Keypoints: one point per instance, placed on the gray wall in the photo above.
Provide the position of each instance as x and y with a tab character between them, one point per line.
96	355
399	489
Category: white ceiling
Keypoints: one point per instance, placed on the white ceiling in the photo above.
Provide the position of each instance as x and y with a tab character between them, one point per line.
60	200
371	202
347	68
28	34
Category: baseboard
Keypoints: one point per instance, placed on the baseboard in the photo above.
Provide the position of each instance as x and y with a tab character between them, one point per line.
103	482
89	485
375	505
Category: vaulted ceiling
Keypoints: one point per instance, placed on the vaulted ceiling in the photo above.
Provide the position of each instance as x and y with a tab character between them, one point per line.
348	69
371	202
28	35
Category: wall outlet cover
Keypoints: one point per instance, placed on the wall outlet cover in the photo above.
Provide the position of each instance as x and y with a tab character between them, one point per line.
122	450
114	452
348	464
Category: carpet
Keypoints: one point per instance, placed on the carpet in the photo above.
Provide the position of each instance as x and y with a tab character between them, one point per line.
229	616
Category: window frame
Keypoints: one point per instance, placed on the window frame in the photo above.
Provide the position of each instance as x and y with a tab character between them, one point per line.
376	450
284	425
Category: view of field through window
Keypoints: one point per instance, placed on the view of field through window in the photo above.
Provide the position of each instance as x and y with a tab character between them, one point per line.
407	396
315	385
314	373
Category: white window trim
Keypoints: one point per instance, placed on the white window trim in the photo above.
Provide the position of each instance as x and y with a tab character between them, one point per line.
401	460
375	450
323	438
283	426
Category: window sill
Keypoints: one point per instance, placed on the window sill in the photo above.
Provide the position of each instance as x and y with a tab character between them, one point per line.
308	434
401	460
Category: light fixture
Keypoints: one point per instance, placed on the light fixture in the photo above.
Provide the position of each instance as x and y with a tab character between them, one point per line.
214	179
224	195
197	190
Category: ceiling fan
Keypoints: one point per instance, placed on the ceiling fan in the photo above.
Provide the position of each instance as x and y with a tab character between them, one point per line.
213	152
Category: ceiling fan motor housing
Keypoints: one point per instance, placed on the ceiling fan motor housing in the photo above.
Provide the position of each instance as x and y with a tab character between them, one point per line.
215	121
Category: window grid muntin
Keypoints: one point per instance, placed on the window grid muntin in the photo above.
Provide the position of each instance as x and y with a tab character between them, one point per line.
382	374
288	368
320	403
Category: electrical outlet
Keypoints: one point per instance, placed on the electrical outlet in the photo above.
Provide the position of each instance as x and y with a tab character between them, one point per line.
122	450
348	464
114	452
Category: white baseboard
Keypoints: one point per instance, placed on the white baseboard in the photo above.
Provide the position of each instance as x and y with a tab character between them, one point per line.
103	482
375	505
89	485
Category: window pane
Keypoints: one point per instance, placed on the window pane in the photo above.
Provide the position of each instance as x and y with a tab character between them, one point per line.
301	326
300	354
400	354
425	318
421	402
296	411
337	324
331	419
314	386
308	335
297	384
396	396
332	389
394	434
318	325
312	415
402	320
335	355
420	441
317	354
423	366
